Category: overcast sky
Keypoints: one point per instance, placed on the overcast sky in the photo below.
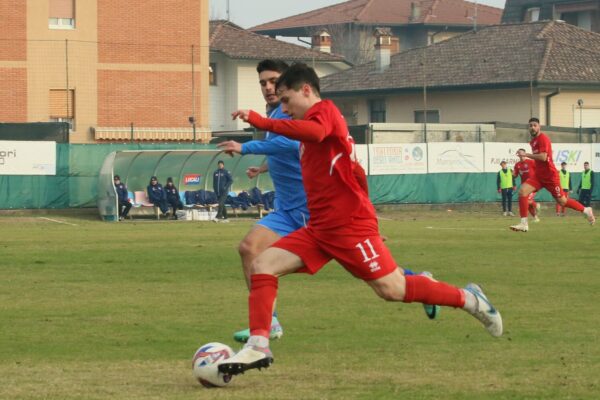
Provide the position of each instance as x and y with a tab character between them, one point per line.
248	13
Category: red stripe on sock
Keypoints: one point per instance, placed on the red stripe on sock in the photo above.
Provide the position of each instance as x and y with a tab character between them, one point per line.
523	206
575	205
263	291
424	290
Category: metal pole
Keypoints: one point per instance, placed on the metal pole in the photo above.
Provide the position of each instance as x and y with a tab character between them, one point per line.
131	138
193	99
424	98
67	75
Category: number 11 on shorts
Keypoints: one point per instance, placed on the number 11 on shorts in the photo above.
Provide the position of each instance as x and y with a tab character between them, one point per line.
368	244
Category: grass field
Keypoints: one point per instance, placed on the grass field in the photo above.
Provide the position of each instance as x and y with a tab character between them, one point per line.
96	310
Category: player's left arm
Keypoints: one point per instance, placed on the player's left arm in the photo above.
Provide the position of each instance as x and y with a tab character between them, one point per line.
302	130
277	145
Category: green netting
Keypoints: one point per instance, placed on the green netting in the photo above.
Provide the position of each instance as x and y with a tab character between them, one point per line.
78	168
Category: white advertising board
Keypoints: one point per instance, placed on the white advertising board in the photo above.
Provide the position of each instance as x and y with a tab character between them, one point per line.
455	157
595	163
362	154
574	154
496	152
398	159
27	158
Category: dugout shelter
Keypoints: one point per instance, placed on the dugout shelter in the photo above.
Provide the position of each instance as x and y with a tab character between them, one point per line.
190	169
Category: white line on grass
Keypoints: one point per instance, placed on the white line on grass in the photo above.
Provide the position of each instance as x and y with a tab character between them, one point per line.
57	221
466	229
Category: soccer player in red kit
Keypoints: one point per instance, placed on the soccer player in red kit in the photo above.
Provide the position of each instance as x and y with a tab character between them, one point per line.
343	225
546	176
525	168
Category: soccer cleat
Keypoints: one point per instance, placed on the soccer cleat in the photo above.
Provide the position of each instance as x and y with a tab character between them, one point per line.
276	332
486	313
510	213
589	214
431	310
505	214
536	218
520	227
250	357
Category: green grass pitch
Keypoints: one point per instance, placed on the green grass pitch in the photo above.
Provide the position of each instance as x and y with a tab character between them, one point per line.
94	310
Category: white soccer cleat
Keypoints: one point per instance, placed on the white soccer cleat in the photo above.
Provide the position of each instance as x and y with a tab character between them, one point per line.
505	214
486	313
536	218
511	214
589	214
249	357
520	227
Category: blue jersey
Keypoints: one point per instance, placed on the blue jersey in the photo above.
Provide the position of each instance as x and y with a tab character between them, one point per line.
283	160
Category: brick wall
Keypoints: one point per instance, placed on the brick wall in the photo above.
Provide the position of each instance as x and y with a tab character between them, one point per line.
13	26
13	92
146	98
166	28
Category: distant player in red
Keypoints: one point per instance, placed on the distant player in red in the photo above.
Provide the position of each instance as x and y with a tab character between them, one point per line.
343	225
545	176
524	168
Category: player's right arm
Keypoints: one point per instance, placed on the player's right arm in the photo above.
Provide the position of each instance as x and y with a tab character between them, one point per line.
302	130
277	145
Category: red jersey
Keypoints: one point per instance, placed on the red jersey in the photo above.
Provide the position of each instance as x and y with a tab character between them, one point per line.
334	196
524	169
543	169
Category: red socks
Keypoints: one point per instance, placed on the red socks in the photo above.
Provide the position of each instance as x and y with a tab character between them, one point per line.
263	291
424	290
575	205
523	206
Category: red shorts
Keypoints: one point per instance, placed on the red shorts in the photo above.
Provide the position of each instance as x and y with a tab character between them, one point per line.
550	184
363	255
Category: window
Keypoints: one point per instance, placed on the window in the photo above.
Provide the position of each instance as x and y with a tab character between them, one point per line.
212	74
532	14
377	111
61	14
433	116
61	106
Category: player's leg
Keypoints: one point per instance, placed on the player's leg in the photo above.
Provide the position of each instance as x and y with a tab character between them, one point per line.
255	242
297	252
534	207
571	203
525	190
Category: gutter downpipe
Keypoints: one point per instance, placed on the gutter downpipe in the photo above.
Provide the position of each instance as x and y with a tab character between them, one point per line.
549	105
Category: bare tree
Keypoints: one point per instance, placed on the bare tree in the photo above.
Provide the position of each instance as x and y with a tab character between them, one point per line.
355	43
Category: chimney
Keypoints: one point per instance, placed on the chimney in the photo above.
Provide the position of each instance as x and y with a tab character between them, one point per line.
322	42
415	11
383	47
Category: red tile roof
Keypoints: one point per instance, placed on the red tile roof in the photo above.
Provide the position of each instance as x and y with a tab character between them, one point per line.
389	12
511	54
236	42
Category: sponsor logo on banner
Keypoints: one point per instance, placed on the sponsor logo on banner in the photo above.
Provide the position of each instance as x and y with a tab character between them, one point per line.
453	157
191	179
27	158
496	152
574	154
595	163
397	159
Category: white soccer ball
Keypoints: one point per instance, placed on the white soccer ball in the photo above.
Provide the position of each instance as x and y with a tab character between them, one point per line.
205	364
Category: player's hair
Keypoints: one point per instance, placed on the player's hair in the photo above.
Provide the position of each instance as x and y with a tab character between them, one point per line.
272	65
297	75
586	163
563	163
522	150
502	162
534	119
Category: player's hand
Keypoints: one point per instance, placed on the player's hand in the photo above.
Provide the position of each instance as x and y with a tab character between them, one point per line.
514	188
230	147
499	190
241	114
253	172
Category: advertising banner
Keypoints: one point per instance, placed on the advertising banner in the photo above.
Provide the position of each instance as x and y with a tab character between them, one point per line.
398	159
455	157
497	152
27	158
595	163
362	154
574	154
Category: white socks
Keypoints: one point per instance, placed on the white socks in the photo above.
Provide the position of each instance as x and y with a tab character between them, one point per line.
524	221
258	341
471	302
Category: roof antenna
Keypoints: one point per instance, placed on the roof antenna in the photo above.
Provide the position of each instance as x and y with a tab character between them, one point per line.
228	20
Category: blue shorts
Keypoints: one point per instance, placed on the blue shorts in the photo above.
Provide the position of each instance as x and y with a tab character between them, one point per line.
284	222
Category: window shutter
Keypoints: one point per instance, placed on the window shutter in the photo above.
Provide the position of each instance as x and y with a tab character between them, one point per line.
58	103
62	9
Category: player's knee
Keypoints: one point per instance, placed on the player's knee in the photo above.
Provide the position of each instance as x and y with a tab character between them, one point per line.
389	293
259	266
522	192
562	201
